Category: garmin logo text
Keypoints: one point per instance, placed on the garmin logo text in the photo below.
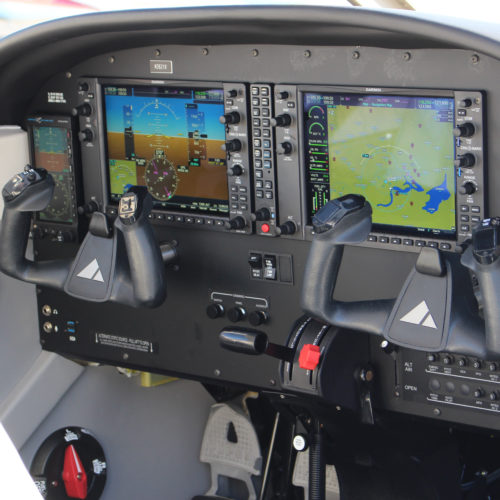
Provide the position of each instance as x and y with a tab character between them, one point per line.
373	89
161	67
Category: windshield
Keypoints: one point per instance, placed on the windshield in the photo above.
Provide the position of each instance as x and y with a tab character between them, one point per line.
16	15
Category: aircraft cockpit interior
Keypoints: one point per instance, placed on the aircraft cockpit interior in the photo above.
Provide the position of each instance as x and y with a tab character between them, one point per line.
252	253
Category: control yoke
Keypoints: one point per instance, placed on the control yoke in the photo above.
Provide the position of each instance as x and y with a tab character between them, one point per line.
123	265
436	309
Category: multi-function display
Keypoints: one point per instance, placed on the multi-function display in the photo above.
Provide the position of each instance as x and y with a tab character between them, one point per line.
170	140
52	150
397	151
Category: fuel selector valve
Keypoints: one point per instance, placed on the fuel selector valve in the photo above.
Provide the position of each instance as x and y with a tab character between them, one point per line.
123	264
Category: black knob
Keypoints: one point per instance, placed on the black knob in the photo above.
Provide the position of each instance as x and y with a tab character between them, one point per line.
232	146
476	364
285	148
82	110
281	121
431	358
467	160
283	95
492	367
85	135
235	170
467	188
88	208
236	314
262	214
236	223
230	118
83	86
448	360
462	362
215	311
478	393
465	103
493	396
232	93
288	227
257	318
465	130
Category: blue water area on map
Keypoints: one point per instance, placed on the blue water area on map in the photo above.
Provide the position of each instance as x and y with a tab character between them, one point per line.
409	186
437	195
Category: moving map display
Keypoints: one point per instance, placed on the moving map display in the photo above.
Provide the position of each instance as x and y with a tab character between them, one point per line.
51	147
170	140
396	151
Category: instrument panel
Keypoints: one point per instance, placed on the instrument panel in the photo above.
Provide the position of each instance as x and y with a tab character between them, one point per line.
239	147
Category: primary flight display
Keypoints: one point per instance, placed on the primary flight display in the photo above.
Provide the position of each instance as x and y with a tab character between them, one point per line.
170	140
396	151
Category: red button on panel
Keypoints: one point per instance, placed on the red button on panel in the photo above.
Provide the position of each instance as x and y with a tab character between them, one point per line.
265	228
309	356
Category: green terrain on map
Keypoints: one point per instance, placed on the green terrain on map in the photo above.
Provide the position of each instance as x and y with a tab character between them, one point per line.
400	160
122	173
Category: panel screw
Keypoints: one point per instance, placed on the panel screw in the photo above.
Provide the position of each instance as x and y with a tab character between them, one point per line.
204	51
111	59
157	52
54	484
282	396
255	52
356	55
474	59
307	53
217	372
272	382
397	394
406	56
125	355
68	75
436	412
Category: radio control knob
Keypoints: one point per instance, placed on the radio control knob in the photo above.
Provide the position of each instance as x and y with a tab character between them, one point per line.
464	130
82	110
262	214
285	148
478	393
215	311
493	396
85	135
236	223
289	227
236	314
467	188
281	120
230	118
462	362
467	160
232	146
235	170
492	367
447	360
232	93
476	364
465	103
283	95
83	86
257	318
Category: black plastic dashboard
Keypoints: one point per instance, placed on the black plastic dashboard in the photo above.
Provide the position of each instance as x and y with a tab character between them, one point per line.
138	97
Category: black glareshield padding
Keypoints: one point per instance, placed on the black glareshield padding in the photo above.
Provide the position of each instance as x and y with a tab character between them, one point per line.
320	277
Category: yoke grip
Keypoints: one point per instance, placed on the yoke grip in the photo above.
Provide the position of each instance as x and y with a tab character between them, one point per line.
323	262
